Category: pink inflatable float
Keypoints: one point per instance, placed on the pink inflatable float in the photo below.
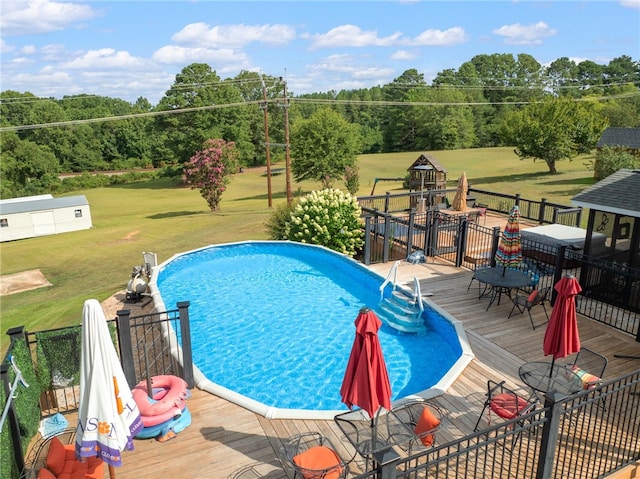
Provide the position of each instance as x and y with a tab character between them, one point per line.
169	398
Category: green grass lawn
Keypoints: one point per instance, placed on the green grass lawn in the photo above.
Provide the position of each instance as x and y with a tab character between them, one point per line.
160	217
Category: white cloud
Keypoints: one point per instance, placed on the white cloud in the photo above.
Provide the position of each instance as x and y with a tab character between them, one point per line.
630	3
54	52
172	54
24	17
403	55
28	49
107	58
234	35
372	72
518	34
21	61
452	36
351	36
5	47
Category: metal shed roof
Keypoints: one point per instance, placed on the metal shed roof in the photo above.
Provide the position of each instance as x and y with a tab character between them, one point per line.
617	194
42	204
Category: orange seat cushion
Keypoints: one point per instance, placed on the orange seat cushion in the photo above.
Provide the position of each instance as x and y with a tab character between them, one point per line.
61	463
55	456
507	405
316	460
533	296
427	422
588	380
45	473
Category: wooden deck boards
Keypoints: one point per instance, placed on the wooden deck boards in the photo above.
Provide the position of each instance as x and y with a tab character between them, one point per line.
225	438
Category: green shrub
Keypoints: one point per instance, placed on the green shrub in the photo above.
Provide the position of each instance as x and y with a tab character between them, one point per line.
277	222
611	159
27	407
329	218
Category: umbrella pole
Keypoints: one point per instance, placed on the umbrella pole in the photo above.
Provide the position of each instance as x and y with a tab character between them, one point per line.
112	472
553	360
146	365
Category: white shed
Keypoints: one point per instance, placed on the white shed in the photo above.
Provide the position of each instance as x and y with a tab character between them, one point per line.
43	215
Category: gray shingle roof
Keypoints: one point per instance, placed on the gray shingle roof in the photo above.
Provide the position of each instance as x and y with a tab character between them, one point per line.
618	193
626	137
43	204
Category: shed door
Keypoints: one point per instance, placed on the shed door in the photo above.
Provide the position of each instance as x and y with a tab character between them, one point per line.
43	223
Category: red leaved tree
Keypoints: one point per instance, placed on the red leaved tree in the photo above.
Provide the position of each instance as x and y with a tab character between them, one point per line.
208	170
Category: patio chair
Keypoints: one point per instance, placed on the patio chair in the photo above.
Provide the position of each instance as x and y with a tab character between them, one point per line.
312	456
524	302
483	288
423	418
590	367
482	212
506	404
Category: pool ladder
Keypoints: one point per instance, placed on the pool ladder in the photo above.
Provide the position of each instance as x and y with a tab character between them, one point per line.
403	309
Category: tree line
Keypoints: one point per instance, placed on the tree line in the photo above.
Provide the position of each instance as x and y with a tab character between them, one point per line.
480	104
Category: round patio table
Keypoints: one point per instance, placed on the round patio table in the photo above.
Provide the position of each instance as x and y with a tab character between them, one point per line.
540	376
502	280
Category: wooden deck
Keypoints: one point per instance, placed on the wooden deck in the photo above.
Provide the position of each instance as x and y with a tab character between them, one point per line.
225	438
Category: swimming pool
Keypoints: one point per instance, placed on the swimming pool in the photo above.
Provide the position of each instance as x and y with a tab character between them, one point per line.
272	325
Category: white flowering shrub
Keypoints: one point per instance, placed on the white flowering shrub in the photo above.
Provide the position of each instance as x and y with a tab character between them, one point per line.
329	218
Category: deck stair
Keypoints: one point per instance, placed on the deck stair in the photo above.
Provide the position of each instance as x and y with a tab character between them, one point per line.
402	310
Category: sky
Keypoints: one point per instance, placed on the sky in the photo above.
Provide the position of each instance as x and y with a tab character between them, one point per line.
131	49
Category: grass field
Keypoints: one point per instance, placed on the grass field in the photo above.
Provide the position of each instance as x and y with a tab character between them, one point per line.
164	218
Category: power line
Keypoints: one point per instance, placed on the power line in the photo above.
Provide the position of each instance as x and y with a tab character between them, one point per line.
277	102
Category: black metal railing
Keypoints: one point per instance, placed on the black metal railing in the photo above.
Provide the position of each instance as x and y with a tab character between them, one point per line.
150	344
541	211
610	291
160	343
590	434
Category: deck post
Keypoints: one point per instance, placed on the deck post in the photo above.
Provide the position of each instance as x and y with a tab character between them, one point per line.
123	322
410	231
185	336
549	442
367	240
463	226
543	205
386	243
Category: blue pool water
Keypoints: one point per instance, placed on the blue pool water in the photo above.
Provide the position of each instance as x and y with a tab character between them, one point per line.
274	321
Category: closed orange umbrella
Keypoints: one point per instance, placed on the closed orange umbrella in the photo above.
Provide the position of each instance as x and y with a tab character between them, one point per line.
366	381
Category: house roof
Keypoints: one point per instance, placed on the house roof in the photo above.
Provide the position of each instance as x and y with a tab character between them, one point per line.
617	194
427	159
625	137
31	204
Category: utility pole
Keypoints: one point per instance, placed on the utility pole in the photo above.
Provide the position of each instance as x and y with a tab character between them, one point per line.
264	107
287	157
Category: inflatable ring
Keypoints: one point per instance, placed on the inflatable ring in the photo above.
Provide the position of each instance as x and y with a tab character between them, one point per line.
169	401
175	425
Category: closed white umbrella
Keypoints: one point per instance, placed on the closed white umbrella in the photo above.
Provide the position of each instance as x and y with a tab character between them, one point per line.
108	417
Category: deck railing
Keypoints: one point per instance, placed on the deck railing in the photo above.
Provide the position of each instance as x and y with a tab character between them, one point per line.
589	434
151	344
541	211
586	435
611	290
